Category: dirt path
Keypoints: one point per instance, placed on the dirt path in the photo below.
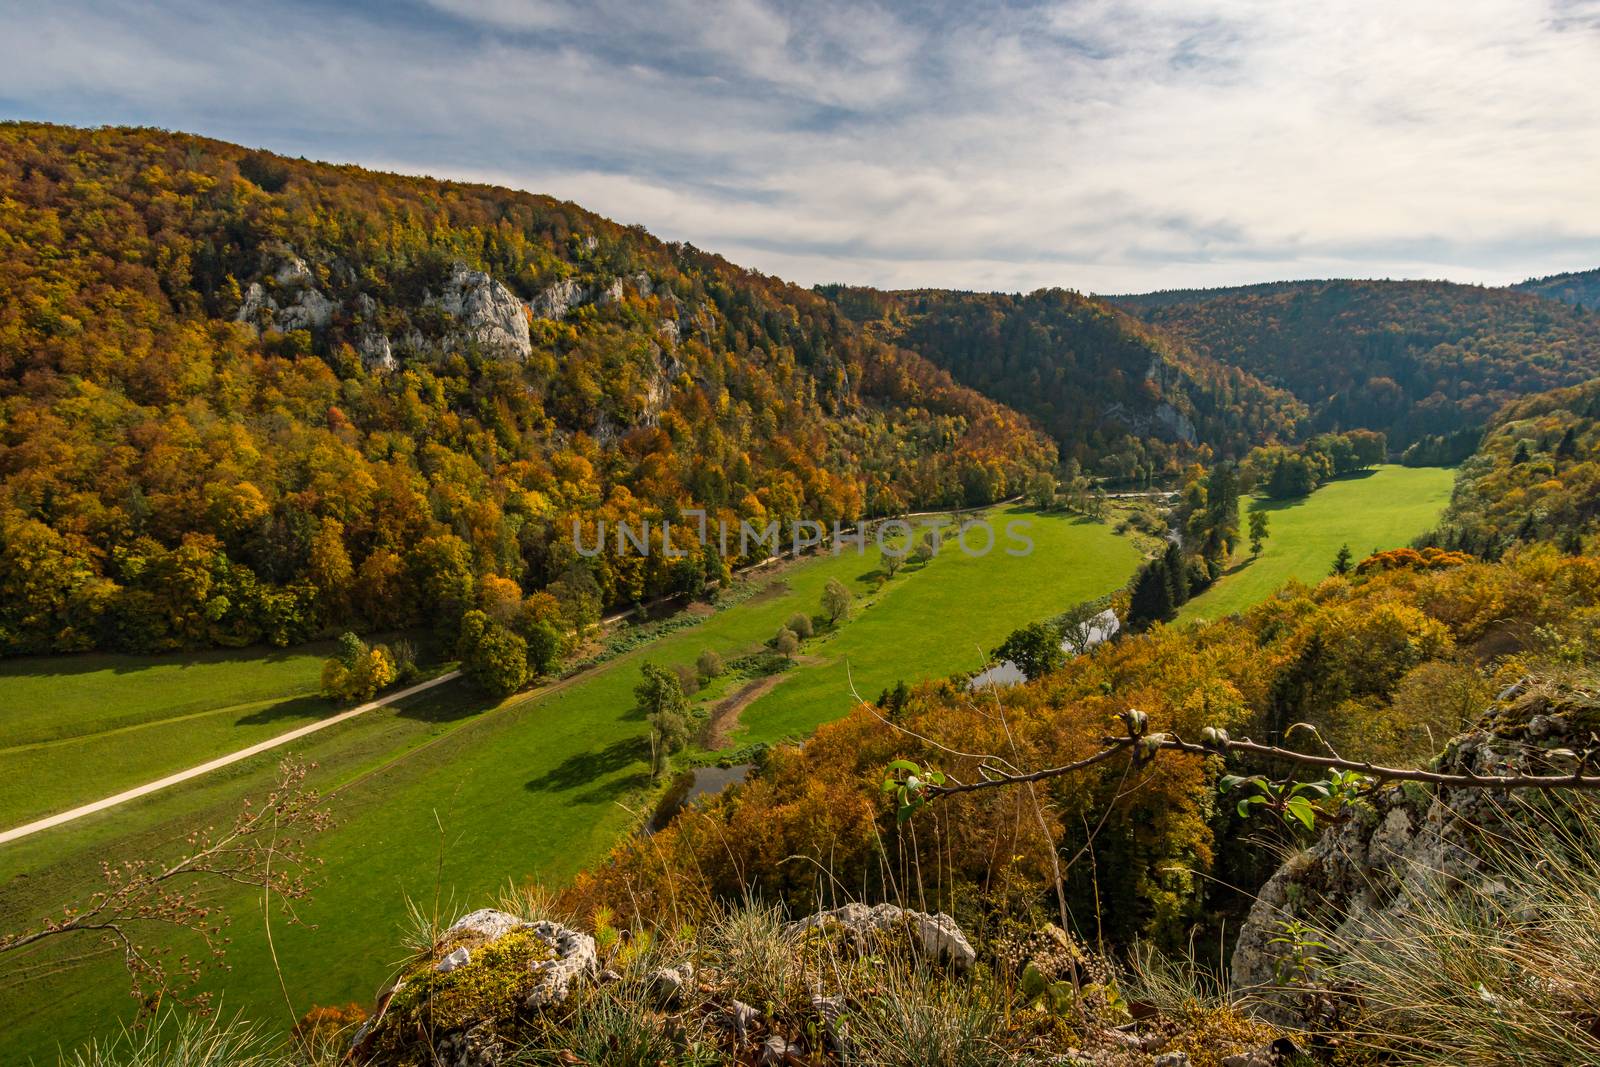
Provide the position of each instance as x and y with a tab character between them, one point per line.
725	716
220	761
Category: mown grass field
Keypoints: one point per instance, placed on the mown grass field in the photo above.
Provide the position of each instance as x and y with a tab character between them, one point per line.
1384	508
75	729
448	798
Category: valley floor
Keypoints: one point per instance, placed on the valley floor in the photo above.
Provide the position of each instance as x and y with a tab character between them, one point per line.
443	799
1384	508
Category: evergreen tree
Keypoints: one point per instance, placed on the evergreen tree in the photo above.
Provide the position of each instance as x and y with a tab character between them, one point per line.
1152	596
1341	562
1176	565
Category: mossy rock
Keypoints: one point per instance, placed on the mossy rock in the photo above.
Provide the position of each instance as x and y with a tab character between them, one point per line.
485	977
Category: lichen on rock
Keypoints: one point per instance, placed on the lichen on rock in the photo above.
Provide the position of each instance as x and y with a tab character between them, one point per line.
488	971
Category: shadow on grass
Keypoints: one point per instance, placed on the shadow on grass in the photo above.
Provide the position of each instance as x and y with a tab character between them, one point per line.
297	708
75	663
442	708
586	768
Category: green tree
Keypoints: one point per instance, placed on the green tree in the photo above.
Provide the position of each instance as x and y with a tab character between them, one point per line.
659	697
1078	625
544	647
1341	562
836	599
923	552
1042	489
1258	531
890	561
1177	567
1035	649
493	657
442	569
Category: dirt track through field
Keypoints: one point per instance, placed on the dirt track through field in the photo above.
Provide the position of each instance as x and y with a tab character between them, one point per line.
725	716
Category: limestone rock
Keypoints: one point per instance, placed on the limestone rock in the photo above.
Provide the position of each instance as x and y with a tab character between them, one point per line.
558	299
478	1047
1278	1053
937	934
485	921
486	311
668	983
575	960
292	270
310	311
371	342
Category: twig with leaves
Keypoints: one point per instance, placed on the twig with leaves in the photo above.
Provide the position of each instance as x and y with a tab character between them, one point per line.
264	848
914	786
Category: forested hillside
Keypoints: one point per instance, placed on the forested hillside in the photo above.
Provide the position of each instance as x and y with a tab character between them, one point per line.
1411	359
244	397
1535	477
1119	398
1580	288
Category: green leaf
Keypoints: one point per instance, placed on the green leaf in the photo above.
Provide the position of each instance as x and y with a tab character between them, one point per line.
1300	809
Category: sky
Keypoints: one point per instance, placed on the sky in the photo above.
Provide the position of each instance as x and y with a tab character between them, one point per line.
1105	147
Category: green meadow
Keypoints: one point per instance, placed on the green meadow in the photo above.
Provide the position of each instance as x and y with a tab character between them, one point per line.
76	729
440	800
1380	509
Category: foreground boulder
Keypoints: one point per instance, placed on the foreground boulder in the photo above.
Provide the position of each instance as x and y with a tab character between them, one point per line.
457	1003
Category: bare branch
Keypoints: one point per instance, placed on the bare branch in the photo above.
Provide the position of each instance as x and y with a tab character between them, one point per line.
1146	747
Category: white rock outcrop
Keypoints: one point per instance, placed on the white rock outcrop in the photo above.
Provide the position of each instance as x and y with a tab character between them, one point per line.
485	311
560	298
937	934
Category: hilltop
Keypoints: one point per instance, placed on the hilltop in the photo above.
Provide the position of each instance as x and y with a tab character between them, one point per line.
1413	359
1581	288
1119	397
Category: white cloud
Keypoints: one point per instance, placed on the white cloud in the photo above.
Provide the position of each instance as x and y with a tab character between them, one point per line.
1100	145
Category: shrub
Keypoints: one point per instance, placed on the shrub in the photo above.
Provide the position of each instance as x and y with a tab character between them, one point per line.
709	665
801	624
355	672
786	642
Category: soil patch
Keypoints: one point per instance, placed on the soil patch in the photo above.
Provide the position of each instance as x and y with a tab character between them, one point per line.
725	716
